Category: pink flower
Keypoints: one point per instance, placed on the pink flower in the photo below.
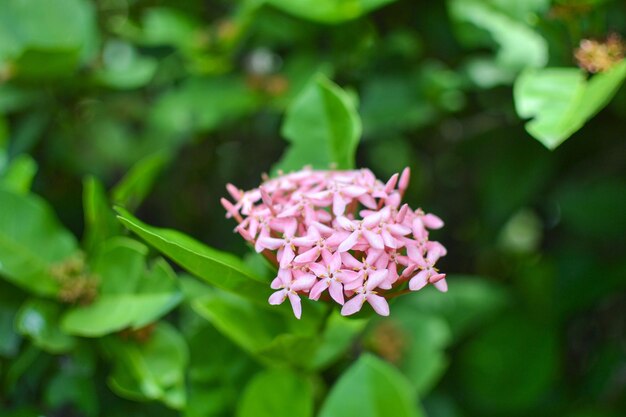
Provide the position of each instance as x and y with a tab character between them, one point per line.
367	293
316	225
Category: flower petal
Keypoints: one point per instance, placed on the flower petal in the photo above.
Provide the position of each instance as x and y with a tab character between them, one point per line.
339	204
432	222
375	279
335	262
318	289
441	285
419	281
353	305
278	297
336	291
319	269
374	239
304	283
379	304
286	256
349	243
271	243
295	304
308	256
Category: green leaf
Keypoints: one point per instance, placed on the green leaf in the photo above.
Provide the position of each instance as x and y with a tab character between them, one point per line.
137	182
561	100
31	241
277	393
519	46
39	320
168	26
45	39
220	269
154	369
328	11
426	337
339	334
130	296
323	127
19	175
258	330
371	388
100	221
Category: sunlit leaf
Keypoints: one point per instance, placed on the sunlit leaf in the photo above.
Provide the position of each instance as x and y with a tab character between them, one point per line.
220	269
328	11
277	393
561	100
44	39
19	175
519	45
371	388
323	128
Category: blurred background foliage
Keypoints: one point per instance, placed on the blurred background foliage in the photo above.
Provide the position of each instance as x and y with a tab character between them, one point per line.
156	104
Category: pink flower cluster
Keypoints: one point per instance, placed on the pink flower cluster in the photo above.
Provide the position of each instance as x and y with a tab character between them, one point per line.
341	232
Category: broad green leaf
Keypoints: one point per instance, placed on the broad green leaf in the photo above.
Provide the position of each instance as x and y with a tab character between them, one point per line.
130	296
511	365
339	334
220	269
39	320
250	326
269	333
168	26
31	241
561	100
100	221
19	175
136	184
153	369
277	393
416	342
328	11
519	46
371	388
323	127
45	39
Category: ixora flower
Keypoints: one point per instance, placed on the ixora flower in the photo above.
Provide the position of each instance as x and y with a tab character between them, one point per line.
344	233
